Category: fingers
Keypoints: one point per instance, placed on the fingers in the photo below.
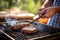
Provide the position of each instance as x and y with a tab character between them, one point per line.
40	12
49	13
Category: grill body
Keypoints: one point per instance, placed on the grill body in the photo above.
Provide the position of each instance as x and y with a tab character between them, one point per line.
43	30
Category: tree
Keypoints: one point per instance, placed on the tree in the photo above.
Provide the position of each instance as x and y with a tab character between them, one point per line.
30	5
6	4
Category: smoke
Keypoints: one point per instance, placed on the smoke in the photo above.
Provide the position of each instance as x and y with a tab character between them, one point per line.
10	21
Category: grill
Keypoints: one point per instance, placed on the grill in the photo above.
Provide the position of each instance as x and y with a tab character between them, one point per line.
21	36
42	31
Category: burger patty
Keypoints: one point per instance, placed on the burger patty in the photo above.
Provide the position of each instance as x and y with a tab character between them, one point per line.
30	30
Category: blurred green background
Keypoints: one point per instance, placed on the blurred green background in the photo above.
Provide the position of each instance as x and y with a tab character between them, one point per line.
31	6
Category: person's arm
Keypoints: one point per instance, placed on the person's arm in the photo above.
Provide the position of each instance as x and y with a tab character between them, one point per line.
47	3
52	11
57	9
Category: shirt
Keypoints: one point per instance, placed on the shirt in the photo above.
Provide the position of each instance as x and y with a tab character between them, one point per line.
55	20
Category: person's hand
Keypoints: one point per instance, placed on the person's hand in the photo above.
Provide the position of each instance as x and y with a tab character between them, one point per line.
41	11
50	12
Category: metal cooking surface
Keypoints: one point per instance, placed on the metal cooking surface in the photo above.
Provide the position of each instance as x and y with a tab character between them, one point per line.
42	30
21	36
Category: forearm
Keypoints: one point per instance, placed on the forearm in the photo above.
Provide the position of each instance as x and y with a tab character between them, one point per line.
47	3
56	9
52	11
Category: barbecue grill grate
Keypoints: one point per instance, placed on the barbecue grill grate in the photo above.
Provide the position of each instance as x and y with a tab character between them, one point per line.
21	36
42	31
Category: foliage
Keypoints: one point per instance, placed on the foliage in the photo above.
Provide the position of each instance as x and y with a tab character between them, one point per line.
4	4
30	5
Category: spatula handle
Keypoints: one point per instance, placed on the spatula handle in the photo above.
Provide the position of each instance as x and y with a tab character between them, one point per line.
38	18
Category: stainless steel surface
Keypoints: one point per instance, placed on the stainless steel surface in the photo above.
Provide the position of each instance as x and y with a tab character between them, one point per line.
47	37
21	36
43	30
7	35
